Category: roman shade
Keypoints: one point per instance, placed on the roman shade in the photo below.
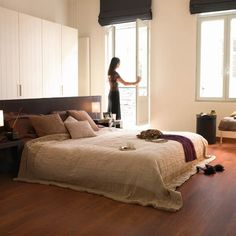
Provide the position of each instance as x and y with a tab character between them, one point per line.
200	6
122	11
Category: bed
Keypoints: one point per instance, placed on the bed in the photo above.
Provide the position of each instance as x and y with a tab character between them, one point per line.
148	175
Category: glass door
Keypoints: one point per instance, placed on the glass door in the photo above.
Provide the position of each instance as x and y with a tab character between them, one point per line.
142	70
130	43
125	49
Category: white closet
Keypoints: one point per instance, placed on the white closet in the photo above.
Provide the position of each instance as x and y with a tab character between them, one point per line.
84	66
69	61
52	71
30	31
9	54
38	58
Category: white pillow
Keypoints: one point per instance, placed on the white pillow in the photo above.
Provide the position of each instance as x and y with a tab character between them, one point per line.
79	129
81	116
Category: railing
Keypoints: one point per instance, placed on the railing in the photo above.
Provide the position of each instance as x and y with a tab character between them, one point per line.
128	106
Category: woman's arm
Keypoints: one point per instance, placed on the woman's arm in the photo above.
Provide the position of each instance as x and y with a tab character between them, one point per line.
119	79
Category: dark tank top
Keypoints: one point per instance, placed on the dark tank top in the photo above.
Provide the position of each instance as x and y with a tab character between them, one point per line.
113	81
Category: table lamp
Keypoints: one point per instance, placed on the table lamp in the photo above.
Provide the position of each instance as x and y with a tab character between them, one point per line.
96	108
1	118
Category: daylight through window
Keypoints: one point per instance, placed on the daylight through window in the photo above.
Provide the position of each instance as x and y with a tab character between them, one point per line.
216	70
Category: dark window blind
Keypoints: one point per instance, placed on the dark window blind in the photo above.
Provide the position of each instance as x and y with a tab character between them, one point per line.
200	6
122	11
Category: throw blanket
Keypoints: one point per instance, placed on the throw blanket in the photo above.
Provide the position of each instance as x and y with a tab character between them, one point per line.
189	150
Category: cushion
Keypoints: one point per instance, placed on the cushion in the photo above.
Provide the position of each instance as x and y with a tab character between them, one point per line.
62	114
48	124
227	124
79	129
22	125
82	116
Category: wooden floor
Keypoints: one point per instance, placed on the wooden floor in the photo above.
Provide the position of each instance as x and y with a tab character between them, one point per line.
209	208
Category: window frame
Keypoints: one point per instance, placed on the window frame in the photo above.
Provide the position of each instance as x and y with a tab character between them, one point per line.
226	17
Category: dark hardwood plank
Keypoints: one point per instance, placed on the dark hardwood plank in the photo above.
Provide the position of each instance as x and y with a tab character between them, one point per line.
209	208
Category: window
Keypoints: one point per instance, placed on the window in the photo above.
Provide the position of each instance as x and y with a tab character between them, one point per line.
216	68
130	43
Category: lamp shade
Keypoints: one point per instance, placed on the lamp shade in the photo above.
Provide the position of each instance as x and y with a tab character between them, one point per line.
1	118
96	107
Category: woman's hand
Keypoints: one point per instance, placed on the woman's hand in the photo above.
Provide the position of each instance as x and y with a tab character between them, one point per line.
129	83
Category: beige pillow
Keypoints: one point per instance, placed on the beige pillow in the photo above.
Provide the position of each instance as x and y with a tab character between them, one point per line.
48	124
62	114
79	129
82	116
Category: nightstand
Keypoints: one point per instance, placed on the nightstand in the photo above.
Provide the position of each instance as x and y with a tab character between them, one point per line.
15	148
105	122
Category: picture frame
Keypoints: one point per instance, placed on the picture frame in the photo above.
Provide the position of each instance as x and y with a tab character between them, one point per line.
107	115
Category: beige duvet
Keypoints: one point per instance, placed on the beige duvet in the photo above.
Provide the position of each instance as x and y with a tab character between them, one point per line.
147	176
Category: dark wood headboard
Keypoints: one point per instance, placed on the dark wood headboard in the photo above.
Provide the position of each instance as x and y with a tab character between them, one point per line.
47	105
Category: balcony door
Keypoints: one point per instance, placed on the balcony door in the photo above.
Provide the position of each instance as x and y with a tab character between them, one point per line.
130	43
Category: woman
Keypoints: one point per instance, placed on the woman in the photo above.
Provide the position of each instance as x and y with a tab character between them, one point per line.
114	96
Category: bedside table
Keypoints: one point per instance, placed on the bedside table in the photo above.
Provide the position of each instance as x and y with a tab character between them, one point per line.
16	147
105	122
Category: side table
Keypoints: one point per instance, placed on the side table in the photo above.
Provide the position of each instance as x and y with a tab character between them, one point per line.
16	147
106	122
206	126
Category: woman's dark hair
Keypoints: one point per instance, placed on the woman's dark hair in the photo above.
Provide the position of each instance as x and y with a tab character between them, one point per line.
114	62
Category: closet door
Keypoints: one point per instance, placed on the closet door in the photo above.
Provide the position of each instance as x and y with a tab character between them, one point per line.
69	61
9	54
30	38
52	79
84	67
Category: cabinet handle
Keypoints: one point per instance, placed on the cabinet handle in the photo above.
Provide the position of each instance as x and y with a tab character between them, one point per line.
20	89
61	90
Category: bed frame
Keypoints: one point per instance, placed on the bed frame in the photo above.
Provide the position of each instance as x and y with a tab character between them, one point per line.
47	105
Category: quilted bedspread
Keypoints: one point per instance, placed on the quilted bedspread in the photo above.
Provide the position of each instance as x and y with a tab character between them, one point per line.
147	175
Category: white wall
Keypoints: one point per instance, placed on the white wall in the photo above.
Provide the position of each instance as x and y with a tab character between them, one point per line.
173	69
173	63
173	43
52	10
